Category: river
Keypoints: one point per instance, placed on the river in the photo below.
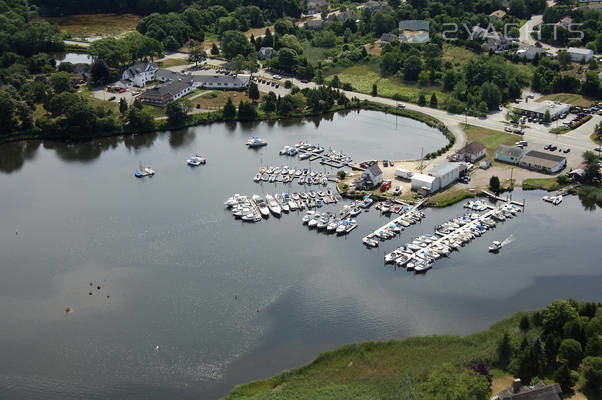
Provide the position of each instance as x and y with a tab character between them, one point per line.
192	301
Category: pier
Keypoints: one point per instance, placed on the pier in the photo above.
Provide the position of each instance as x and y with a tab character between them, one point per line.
409	216
499	198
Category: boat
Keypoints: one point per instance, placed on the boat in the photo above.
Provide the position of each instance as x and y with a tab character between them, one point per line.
196	160
313	221
422	267
308	216
370	242
333	225
346	226
495	246
262	205
367	202
324	221
355	211
273	205
303	156
284	150
256	141
257	177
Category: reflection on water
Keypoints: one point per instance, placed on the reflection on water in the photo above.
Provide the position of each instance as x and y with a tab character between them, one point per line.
13	155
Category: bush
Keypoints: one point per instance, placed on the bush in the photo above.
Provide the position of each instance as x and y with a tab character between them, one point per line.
563	179
288	84
341	174
570	351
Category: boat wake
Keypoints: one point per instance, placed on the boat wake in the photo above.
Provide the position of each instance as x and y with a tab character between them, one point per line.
508	240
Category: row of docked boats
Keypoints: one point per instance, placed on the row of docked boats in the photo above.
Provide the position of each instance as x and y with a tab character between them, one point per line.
305	150
329	222
420	254
476	205
393	228
286	175
553	199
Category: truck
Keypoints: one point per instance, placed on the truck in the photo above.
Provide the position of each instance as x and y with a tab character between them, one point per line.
403	174
385	186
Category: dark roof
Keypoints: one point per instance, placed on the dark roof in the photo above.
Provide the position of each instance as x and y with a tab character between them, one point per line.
540	391
374	170
172	88
544	156
414	25
509	150
388	37
473	148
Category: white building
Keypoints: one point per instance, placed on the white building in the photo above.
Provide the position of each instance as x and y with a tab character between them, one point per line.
538	109
373	174
580	55
140	73
162	94
426	182
222	81
446	173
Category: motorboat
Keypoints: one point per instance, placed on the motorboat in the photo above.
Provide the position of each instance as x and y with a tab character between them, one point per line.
284	150
313	222
262	205
295	196
196	160
370	242
367	202
324	221
304	156
292	204
333	225
495	246
273	205
422	267
232	200
257	177
256	141
307	217
355	211
345	226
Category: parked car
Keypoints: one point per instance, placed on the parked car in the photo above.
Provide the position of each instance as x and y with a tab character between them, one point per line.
112	98
122	90
401	105
303	81
385	163
567	150
397	190
391	163
277	77
553	148
547	146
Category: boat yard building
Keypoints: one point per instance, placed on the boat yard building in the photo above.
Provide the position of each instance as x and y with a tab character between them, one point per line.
446	173
239	81
427	183
161	94
509	154
539	391
538	110
544	162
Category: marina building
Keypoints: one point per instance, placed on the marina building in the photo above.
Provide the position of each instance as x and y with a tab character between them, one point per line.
509	154
538	110
428	183
446	173
580	55
239	81
539	391
372	176
472	152
161	94
140	73
545	162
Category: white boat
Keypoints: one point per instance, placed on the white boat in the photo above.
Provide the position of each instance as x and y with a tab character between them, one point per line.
257	177
421	267
307	217
370	242
273	205
262	205
324	221
303	156
557	200
313	221
256	141
196	160
333	225
284	150
346	226
292	204
495	246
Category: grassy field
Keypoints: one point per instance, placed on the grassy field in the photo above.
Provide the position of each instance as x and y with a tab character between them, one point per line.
90	25
490	138
216	99
595	139
363	76
569	98
172	62
377	370
450	196
548	184
457	55
314	54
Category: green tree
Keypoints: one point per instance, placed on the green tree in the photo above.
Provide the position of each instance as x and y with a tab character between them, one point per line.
491	94
214	50
374	90
412	67
229	110
123	106
524	323
8	107
140	120
60	82
449	80
421	100
269	102
564	59
562	376
99	71
594	346
234	43
556	315
591	86
253	91
570	351
591	369
454	383
547	117
25	114
246	111
341	174
504	350
335	83
483	107
434	102
286	60
494	184
196	54
176	113
423	78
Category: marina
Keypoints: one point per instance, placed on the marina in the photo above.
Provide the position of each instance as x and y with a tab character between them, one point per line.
409	215
307	151
284	174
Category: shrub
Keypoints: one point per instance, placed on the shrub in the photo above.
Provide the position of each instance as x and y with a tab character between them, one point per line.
288	84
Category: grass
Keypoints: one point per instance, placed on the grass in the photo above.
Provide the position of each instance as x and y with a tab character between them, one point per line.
173	62
363	76
314	54
450	196
490	138
549	184
216	99
561	130
595	139
377	370
90	25
457	55
569	98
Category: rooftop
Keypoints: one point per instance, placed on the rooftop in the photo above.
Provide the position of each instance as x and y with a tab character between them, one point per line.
414	25
541	108
498	13
172	88
540	391
424	178
544	156
578	50
509	151
240	78
473	148
374	170
443	169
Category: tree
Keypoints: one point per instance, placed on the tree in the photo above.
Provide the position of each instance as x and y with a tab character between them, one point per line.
229	110
449	80
504	350
196	54
25	114
491	94
570	351
421	100
482	107
99	71
341	174
269	102
594	346
412	68
286	60
524	323
253	91
234	43
556	315
591	86
176	114
335	83
494	184
423	78
592	169
214	49
298	101
140	120
60	82
547	117
562	376
246	111
564	59
382	22
123	106
434	102
454	383
591	369
8	106
374	90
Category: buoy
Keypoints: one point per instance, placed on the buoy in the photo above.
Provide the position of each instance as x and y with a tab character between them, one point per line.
91	283
98	287
68	310
90	293
108	296
235	297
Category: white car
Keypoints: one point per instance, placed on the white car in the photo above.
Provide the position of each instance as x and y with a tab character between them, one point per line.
397	190
277	77
401	105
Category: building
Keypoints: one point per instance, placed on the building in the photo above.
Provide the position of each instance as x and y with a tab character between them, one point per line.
316	6
343	16
592	6
565	22
372	176
140	73
376	6
162	94
497	15
387	38
544	162
315	25
239	81
428	183
478	32
530	52
580	55
446	173
265	53
472	152
166	75
539	391
538	110
509	154
414	37
495	42
485	164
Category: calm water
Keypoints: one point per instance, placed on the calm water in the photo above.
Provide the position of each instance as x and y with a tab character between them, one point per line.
183	275
74	58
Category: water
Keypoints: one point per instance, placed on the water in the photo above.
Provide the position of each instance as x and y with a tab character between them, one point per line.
74	58
183	275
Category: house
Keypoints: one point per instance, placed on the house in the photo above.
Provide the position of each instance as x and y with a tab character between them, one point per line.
265	53
387	38
497	15
539	391
343	16
422	182
580	55
495	42
545	162
478	32
565	22
576	174
485	164
140	73
239	81
315	25
509	154
472	152
166	75
316	6
592	6
162	94
446	173
538	109
376	6
530	52
372	176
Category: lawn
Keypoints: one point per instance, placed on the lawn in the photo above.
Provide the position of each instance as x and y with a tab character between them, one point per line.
377	370
490	138
450	196
314	54
112	105
216	99
548	184
569	98
595	139
363	76
90	25
172	62
457	55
